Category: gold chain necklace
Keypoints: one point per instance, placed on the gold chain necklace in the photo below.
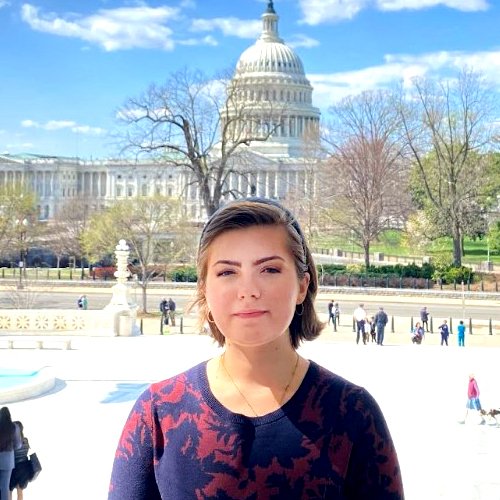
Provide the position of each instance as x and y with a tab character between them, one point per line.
243	396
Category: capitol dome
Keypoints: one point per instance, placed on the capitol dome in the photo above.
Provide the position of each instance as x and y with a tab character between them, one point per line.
269	76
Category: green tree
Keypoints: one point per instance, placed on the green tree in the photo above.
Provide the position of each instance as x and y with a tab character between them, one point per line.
153	228
18	219
449	126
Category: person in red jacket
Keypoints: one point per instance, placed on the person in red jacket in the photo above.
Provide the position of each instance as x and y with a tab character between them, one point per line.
473	402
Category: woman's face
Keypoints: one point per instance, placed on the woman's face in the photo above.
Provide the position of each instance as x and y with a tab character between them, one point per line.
252	287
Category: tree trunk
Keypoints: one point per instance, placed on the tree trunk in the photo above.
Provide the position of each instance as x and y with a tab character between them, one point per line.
457	246
144	288
366	246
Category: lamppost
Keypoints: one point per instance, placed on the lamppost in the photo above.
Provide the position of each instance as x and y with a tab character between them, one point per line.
22	224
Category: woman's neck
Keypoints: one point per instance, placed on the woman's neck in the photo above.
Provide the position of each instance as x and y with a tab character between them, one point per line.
256	381
266	365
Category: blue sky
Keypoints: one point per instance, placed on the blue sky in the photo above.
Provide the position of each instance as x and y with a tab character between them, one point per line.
67	66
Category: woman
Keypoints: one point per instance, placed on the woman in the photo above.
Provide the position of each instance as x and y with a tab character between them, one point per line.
473	402
259	421
445	332
418	333
10	439
21	475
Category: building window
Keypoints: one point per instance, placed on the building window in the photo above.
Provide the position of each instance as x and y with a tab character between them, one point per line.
158	190
119	191
144	190
130	191
169	191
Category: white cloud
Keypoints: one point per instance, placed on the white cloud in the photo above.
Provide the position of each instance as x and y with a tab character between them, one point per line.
85	129
24	145
207	40
4	3
329	88
230	26
30	124
319	11
52	125
58	125
302	41
464	5
188	4
111	29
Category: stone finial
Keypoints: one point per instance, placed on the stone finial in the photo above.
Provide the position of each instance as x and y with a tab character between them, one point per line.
122	245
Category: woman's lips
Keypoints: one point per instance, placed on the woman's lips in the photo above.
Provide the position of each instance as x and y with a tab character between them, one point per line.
250	314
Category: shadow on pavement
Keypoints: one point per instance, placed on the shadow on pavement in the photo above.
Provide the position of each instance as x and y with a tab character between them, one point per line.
124	392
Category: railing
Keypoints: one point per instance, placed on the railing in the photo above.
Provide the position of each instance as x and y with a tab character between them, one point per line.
59	322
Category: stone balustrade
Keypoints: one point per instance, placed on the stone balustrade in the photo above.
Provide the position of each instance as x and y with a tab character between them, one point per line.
63	322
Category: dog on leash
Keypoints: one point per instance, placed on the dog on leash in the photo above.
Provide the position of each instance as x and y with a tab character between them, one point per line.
492	414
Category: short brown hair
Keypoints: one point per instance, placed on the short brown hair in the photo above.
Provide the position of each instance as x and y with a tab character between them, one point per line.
249	212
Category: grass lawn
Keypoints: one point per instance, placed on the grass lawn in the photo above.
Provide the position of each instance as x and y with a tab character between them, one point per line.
390	243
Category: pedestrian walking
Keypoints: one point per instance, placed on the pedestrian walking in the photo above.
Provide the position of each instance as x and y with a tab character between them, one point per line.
359	318
80	302
367	330
85	302
337	313
10	440
164	310
373	329
461	334
473	402
171	311
445	332
331	312
424	318
22	473
381	321
258	420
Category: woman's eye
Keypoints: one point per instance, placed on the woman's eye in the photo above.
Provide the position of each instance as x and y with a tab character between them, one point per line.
226	272
272	270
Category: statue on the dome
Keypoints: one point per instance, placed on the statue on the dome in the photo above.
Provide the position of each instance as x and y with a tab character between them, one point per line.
270	8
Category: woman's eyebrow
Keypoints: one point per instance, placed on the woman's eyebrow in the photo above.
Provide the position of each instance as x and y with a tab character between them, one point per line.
256	263
265	259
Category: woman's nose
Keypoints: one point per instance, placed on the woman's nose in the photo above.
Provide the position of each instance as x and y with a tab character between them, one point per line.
249	288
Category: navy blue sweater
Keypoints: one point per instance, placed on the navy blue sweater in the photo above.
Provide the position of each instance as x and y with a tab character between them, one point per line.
330	440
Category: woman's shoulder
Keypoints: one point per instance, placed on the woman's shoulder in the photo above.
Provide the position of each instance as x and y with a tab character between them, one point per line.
170	387
336	386
346	404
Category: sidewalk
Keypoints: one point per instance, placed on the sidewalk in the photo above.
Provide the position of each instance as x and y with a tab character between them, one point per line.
480	337
421	390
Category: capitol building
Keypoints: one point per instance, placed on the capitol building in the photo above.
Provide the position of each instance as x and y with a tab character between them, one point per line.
269	73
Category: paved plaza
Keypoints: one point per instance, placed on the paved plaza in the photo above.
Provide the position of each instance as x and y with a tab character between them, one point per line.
421	389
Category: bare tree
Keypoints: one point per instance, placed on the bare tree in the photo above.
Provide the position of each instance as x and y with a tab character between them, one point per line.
153	228
307	200
367	172
64	235
197	124
449	127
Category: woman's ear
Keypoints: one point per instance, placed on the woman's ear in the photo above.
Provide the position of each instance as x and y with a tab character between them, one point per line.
303	287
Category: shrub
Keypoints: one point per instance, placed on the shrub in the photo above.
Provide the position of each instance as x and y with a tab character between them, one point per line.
184	274
450	273
103	273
